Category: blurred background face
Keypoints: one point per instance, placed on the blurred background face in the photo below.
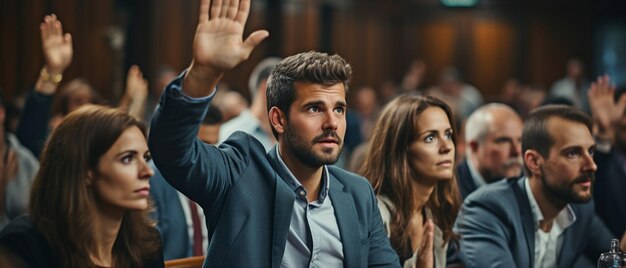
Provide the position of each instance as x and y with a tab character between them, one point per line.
209	134
574	69
78	97
431	154
121	182
499	154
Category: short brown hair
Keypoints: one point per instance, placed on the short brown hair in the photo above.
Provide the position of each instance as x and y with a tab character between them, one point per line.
313	67
536	136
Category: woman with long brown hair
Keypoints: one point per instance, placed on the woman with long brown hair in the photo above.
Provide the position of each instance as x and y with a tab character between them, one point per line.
89	204
410	163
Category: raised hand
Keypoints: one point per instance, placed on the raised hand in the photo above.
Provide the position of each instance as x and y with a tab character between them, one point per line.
136	85
218	44
57	47
136	92
425	250
606	112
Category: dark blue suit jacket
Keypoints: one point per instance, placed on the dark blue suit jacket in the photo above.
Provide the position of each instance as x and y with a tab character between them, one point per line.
497	229
170	218
609	190
246	200
465	179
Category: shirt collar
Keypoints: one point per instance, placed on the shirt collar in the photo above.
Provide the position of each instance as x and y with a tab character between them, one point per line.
564	219
297	187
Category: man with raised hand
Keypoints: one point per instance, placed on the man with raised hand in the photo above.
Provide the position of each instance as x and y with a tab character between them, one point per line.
286	208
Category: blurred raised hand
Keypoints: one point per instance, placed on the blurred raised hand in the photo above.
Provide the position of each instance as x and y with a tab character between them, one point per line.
57	50
606	111
136	93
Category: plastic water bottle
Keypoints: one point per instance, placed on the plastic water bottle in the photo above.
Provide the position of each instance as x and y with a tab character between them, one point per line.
613	258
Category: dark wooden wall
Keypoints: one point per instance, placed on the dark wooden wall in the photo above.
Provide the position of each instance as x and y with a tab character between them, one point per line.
525	39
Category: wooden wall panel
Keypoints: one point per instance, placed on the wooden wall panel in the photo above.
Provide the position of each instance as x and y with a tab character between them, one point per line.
9	59
492	56
301	27
379	38
552	42
434	43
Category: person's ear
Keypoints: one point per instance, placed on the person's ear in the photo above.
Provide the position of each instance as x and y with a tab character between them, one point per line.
534	161
90	178
277	120
473	145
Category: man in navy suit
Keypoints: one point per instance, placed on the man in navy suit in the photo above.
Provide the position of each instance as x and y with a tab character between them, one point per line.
545	219
493	135
173	211
285	208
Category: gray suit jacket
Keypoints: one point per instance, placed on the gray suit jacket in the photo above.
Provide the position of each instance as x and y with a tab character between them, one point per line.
246	200
497	229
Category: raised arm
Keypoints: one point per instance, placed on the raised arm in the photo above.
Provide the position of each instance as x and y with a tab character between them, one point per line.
134	99
218	44
605	110
200	171
57	50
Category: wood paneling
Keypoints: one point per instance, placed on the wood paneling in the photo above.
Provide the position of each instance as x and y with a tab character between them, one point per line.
435	43
488	43
492	56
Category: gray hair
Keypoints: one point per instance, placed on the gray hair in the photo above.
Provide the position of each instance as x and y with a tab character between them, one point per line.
261	72
479	122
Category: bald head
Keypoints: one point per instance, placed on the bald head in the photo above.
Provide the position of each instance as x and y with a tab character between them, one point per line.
493	135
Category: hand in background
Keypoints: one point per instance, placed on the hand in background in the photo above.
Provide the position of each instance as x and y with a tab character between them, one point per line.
136	92
57	50
605	111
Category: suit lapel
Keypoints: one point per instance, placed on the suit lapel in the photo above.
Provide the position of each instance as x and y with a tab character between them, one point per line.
284	199
571	238
526	216
345	212
466	180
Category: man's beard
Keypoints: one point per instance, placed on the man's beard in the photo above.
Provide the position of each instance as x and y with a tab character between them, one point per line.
566	193
303	150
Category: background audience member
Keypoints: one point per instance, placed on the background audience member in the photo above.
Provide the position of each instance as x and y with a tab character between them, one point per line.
610	118
89	204
18	167
162	77
462	98
43	111
545	219
181	221
410	164
230	102
57	48
366	107
493	136
573	86
134	99
254	120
